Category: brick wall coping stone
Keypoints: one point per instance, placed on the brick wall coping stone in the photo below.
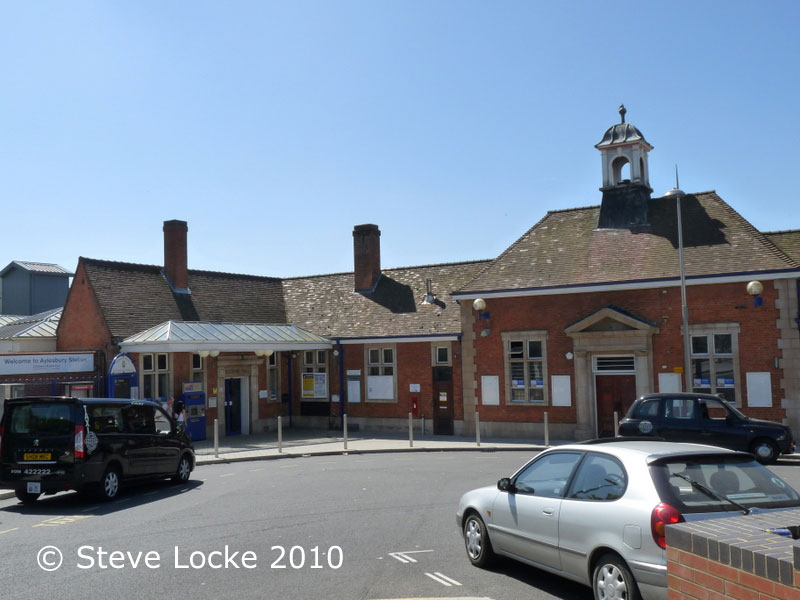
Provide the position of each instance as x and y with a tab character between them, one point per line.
744	543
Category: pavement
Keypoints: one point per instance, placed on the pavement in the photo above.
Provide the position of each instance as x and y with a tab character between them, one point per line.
297	443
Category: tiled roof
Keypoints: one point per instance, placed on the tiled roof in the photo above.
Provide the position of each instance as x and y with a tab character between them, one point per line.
135	297
788	241
42	325
37	267
327	304
566	249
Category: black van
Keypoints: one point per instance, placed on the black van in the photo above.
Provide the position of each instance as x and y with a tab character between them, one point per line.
50	444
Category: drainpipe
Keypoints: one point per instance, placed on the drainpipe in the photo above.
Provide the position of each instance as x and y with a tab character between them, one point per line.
341	383
291	377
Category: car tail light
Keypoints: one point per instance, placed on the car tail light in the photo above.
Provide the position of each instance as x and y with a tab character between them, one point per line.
79	436
663	515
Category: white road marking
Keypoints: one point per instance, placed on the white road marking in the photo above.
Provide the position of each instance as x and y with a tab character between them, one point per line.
443	579
404	557
255	470
228	475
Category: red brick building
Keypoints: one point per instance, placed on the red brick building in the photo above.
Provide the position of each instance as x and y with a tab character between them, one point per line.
583	313
383	342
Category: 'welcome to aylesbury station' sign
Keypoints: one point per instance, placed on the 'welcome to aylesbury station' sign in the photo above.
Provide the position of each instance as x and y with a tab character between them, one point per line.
23	364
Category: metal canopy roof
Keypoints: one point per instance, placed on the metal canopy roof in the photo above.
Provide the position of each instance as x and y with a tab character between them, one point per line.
194	336
42	325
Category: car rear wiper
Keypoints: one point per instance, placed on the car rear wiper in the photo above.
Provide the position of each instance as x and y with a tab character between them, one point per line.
712	494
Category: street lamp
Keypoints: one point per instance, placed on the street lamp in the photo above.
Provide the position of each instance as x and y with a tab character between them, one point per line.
687	364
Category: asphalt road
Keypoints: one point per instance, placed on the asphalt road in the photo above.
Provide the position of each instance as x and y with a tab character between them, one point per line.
358	527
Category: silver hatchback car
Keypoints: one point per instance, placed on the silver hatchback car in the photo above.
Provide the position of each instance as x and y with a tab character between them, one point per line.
596	512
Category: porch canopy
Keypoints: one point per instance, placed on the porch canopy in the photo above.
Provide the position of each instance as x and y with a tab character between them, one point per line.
206	337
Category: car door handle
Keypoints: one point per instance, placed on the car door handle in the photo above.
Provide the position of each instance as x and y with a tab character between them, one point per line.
548	511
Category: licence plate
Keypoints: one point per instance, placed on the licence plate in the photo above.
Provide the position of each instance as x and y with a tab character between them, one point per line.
34	487
36	456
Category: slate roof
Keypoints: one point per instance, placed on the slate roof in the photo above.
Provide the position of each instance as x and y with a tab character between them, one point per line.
135	297
327	304
788	241
565	249
42	325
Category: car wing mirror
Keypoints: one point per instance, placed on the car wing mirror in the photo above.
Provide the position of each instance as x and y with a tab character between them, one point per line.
506	485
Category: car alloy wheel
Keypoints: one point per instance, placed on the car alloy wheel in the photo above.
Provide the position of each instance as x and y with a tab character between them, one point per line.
184	470
110	484
613	580
476	540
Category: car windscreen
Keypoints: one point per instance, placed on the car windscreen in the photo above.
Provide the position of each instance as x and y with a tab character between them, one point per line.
699	484
41	419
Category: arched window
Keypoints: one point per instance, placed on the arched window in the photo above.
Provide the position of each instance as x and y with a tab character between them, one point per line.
622	170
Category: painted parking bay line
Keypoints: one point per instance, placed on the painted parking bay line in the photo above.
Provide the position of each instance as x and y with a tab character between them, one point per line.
439	598
57	521
9	530
404	557
443	579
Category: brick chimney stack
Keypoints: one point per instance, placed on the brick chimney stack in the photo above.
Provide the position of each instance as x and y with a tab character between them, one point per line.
367	257
175	255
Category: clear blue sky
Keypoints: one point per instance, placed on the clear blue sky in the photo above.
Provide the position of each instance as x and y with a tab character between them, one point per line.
275	127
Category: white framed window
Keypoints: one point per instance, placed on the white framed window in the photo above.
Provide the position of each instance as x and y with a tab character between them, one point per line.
715	360
315	375
441	354
156	379
525	355
380	369
198	370
274	377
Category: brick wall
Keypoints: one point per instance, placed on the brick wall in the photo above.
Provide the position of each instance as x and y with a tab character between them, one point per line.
722	303
734	557
82	326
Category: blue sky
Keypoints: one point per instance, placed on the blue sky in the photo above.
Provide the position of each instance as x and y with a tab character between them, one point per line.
275	127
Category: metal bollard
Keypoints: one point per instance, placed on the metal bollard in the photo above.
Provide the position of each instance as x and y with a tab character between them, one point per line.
344	425
410	430
216	438
546	430
477	428
423	425
280	435
616	423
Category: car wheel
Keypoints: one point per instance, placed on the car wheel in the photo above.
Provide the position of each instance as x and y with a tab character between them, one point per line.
476	540
765	451
26	497
184	470
110	484
612	580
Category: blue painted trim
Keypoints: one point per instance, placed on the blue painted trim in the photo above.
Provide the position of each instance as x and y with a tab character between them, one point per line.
396	337
470	293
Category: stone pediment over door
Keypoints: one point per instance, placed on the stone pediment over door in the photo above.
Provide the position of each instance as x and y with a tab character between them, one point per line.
611	319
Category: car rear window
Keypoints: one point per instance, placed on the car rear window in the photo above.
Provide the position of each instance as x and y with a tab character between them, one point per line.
739	478
45	418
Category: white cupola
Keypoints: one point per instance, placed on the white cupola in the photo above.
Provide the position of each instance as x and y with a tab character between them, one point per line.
623	144
626	177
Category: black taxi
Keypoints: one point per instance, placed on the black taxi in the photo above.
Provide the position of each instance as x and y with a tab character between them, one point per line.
706	419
